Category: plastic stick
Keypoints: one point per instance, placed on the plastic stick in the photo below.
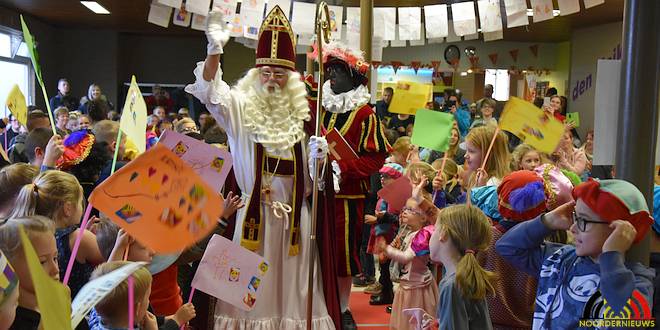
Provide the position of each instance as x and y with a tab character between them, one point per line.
76	245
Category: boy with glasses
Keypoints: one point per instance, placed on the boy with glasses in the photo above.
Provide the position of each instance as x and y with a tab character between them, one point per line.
589	280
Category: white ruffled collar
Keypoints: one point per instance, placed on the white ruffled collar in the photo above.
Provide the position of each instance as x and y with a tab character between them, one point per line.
344	102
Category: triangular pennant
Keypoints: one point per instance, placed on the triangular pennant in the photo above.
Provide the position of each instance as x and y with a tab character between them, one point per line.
375	64
415	65
447	78
454	63
474	62
514	54
535	50
396	65
493	58
435	65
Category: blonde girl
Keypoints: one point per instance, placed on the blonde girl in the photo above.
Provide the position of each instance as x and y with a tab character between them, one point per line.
497	165
460	233
40	232
419	171
417	288
526	157
400	151
12	179
58	196
449	182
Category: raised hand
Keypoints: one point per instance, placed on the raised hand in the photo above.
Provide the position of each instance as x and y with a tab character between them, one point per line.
621	237
560	218
54	150
232	203
217	33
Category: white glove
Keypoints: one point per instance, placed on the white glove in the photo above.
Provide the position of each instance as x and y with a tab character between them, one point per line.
217	32
318	147
336	175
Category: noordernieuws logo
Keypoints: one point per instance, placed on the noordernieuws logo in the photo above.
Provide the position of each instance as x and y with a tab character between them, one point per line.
635	314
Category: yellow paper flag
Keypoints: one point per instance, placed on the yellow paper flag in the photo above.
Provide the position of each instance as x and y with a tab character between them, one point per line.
52	296
531	125
16	104
410	96
134	117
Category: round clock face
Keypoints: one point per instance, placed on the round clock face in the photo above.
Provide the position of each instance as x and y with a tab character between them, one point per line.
452	54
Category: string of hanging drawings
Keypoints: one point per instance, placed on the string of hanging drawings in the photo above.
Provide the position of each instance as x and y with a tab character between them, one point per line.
417	25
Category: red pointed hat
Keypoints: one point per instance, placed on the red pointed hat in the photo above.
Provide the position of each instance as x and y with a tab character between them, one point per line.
276	46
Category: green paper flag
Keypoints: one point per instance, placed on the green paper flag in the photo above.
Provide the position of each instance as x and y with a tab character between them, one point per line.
29	40
432	129
573	118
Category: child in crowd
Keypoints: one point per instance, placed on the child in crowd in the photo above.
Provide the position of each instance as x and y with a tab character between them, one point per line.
455	152
581	281
487	109
497	165
84	122
117	245
447	189
416	286
400	151
384	227
525	157
568	157
462	232
111	312
12	178
8	293
40	231
58	196
523	195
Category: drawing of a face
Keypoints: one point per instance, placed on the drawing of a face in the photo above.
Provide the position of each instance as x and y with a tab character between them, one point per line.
180	149
234	274
217	163
254	283
249	299
263	268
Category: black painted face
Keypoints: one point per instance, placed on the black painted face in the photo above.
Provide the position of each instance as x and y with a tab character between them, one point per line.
340	78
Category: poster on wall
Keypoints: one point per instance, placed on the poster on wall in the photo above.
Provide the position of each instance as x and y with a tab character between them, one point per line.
252	15
336	20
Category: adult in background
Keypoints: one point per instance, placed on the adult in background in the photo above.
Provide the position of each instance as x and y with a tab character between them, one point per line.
382	106
94	93
159	97
11	131
64	97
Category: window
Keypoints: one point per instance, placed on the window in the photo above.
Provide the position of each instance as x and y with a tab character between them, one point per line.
500	80
17	70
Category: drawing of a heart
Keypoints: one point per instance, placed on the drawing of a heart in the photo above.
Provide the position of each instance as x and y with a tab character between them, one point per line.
152	171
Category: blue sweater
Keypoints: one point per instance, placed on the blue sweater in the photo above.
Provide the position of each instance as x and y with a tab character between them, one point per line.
582	283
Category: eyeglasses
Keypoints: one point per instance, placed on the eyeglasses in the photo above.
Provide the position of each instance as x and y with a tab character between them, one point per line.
278	75
413	211
190	129
581	222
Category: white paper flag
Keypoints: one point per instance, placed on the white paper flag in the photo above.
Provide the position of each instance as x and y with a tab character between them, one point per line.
567	7
465	21
489	15
451	36
336	20
159	15
95	290
592	3
228	9
471	36
436	21
384	22
198	6
410	22
252	14
435	40
542	10
285	5
497	35
304	16
516	13
376	49
198	22
181	18
353	27
170	3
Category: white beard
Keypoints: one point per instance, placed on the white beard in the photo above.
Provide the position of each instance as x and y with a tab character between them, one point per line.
275	118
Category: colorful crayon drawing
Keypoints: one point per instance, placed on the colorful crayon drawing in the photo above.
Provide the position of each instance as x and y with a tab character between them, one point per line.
231	273
180	149
150	198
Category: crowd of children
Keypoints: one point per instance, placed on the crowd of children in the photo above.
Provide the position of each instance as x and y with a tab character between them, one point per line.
494	235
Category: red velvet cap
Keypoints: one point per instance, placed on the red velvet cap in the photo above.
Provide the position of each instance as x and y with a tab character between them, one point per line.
276	46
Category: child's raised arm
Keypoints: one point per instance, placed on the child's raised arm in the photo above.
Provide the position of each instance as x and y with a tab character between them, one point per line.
89	250
523	245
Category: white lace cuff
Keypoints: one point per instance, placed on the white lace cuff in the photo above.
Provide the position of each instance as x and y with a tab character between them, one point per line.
215	92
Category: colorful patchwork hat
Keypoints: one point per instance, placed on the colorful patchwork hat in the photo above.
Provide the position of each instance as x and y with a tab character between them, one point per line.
8	278
521	196
485	198
76	148
558	186
616	200
337	52
393	170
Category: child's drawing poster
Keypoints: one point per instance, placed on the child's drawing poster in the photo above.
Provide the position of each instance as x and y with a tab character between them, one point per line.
231	273
160	201
211	163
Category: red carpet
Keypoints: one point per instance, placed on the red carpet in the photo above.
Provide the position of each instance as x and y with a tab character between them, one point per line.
366	316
